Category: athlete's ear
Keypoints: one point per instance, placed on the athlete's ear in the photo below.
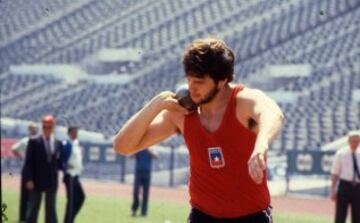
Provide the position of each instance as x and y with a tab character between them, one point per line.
221	84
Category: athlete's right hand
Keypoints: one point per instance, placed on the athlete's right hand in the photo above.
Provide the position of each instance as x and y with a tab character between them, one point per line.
29	185
166	100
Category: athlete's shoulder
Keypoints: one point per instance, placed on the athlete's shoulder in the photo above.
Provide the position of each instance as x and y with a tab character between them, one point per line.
174	115
245	97
176	118
245	92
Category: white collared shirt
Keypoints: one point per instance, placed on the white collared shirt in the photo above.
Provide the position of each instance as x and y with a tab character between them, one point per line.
21	145
51	142
343	164
75	164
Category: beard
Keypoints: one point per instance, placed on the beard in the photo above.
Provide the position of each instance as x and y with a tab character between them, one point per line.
209	96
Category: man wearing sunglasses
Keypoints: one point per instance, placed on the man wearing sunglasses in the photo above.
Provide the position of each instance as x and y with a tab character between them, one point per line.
43	160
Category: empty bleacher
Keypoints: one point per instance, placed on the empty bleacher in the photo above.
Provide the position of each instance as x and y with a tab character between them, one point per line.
261	32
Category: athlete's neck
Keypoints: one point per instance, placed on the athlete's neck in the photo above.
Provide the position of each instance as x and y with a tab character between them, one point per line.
217	104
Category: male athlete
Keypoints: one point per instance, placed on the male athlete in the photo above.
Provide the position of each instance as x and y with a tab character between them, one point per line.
227	136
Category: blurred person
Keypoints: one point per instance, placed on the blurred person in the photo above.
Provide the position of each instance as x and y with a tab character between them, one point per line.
73	165
142	180
228	136
19	150
345	180
43	160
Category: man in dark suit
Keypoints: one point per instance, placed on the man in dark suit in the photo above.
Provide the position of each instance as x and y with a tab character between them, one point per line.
43	159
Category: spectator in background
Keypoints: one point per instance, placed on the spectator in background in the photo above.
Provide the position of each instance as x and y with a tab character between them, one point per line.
19	150
43	159
143	164
72	169
345	185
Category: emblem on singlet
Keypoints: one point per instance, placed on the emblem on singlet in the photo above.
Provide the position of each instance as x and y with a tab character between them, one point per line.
216	157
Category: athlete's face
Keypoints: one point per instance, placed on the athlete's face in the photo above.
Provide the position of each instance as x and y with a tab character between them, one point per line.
202	90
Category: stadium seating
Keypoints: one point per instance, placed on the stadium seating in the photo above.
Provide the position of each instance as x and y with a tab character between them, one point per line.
324	34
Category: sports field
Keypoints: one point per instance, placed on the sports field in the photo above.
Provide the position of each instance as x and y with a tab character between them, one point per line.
104	204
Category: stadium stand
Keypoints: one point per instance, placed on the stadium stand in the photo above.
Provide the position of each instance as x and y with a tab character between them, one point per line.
323	34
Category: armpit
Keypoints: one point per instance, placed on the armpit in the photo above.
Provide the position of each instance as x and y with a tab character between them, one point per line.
252	124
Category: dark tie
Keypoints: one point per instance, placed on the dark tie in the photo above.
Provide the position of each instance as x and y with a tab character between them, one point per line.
48	149
355	167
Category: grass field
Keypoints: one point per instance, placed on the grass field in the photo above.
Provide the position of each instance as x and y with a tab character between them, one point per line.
102	209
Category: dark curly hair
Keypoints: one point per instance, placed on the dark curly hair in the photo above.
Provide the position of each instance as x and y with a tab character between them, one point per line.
209	56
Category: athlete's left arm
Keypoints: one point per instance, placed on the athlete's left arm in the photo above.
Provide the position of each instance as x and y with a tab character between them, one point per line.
269	118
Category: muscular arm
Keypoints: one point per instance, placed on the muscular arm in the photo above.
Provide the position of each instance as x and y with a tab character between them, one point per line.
269	119
149	126
266	114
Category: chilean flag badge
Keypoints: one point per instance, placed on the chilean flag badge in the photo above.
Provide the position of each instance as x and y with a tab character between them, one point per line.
216	157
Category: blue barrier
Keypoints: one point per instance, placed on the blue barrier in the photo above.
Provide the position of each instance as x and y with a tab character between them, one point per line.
309	163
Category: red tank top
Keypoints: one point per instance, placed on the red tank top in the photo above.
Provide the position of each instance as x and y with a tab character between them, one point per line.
219	182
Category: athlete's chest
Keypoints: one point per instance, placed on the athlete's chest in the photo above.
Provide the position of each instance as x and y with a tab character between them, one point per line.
211	124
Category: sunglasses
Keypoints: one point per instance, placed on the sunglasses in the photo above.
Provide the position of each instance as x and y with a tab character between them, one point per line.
47	127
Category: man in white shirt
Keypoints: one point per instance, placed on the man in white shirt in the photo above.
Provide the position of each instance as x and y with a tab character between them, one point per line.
18	150
346	175
72	169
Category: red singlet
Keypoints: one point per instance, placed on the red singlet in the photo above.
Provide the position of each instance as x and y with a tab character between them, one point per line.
219	182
